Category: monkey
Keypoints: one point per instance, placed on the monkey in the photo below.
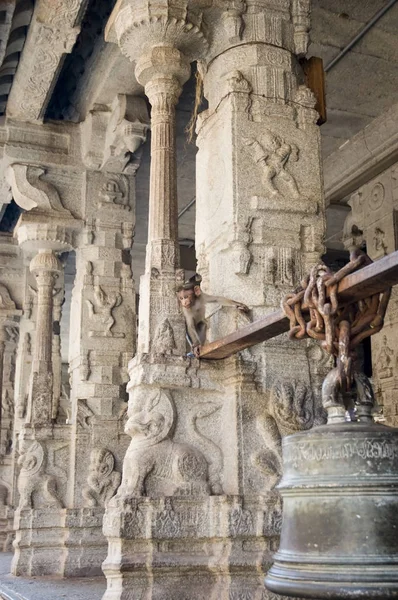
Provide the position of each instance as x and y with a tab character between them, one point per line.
193	302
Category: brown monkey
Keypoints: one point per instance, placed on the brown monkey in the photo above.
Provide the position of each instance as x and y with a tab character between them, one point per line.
193	302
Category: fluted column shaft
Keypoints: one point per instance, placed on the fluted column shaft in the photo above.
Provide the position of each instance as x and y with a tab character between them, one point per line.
162	73
46	268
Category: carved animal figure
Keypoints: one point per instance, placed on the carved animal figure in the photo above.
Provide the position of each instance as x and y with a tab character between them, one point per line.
103	480
193	302
155	465
36	488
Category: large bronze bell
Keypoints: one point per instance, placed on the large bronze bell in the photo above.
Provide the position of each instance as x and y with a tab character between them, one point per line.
339	535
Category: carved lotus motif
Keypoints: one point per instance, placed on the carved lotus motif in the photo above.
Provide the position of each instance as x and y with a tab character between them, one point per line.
143	24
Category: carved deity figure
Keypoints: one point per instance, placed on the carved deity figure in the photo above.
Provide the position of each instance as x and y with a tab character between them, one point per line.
273	154
154	464
379	241
105	303
384	360
103	480
36	488
291	408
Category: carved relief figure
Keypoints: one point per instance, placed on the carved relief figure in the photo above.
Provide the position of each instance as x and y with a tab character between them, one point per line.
154	464
103	480
36	488
273	154
164	342
193	302
112	194
105	303
125	133
384	360
379	241
291	409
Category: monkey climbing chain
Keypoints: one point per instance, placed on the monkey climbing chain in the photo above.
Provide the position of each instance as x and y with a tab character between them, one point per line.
364	283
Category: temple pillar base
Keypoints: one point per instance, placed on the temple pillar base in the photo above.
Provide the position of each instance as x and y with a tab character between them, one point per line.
210	548
85	544
39	542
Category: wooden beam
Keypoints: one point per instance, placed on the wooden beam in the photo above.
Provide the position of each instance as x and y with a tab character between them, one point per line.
373	279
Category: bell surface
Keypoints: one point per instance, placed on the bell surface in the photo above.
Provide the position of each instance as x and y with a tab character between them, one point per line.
339	535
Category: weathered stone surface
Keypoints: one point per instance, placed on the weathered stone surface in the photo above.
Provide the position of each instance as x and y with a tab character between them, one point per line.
200	431
373	221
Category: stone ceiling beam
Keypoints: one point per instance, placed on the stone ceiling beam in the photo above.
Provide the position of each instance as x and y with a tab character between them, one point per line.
363	157
52	34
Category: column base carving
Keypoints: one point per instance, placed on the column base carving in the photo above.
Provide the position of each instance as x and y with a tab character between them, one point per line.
39	542
6	531
59	542
214	548
86	546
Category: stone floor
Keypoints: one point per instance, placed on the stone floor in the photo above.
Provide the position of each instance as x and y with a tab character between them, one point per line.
46	588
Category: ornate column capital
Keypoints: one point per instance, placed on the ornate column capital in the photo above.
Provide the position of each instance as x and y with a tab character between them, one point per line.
45	265
138	25
163	69
47	223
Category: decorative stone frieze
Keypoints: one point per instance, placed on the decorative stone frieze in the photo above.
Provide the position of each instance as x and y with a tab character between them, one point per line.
52	34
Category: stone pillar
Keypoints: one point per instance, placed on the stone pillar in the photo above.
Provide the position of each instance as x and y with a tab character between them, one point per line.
373	222
103	324
45	230
196	514
102	341
162	71
46	268
9	321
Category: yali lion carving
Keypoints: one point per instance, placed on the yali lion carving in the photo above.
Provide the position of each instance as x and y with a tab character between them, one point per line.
154	464
37	489
103	480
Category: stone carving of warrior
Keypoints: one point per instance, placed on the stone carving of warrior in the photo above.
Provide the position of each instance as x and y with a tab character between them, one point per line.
273	155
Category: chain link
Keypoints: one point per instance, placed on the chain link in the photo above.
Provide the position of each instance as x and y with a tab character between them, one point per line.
339	327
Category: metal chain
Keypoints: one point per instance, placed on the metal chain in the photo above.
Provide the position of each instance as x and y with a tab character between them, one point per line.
339	327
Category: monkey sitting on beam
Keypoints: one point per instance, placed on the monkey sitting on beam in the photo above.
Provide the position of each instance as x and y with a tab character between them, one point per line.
193	302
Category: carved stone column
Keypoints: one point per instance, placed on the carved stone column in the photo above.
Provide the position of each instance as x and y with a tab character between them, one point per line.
46	268
45	230
259	228
103	325
162	72
373	222
9	317
174	461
